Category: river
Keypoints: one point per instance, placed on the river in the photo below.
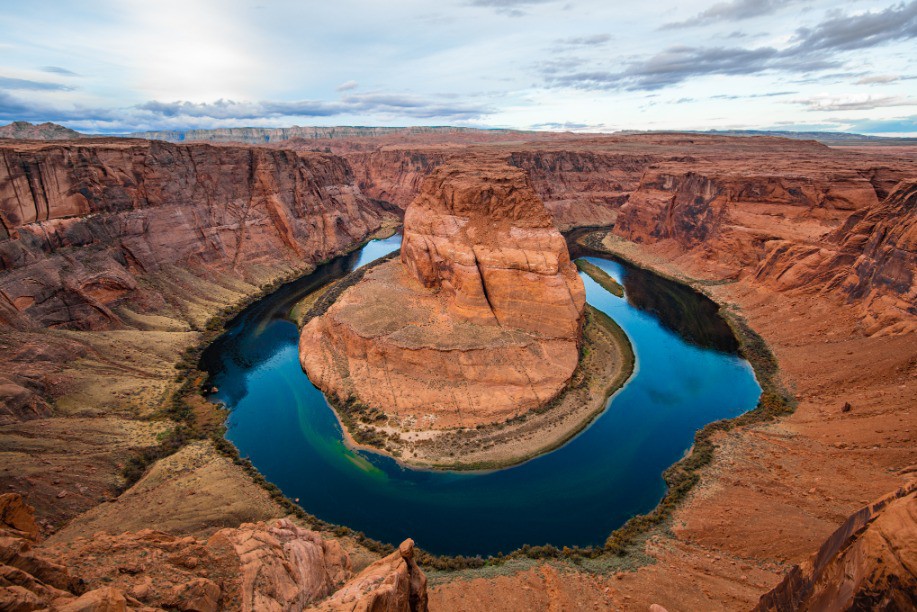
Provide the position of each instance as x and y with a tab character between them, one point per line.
688	374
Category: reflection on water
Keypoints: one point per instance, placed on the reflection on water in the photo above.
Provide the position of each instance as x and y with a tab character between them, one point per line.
686	377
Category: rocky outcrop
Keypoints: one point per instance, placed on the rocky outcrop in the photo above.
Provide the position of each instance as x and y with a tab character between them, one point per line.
478	322
394	583
258	566
480	238
44	131
82	223
282	566
869	563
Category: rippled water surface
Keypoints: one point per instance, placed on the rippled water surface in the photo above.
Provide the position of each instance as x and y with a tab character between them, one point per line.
687	376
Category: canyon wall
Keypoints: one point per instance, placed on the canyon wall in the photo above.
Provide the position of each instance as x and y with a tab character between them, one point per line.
869	261
120	234
582	188
579	188
821	232
80	224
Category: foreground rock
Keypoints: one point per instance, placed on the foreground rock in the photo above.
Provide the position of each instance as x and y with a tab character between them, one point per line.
267	566
480	320
392	583
869	563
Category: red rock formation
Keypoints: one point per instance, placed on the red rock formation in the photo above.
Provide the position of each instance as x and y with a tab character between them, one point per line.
819	231
395	175
582	187
579	188
479	322
869	563
394	583
255	567
480	238
283	566
79	223
871	261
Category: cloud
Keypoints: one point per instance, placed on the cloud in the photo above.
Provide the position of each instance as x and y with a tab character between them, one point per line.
155	114
811	50
510	8
771	94
849	32
877	79
677	64
828	103
11	83
569	126
347	86
584	41
736	10
58	70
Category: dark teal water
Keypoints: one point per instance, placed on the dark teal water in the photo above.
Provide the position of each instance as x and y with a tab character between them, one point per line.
687	376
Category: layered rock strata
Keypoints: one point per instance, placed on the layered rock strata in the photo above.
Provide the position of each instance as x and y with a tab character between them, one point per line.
789	234
115	234
81	224
478	322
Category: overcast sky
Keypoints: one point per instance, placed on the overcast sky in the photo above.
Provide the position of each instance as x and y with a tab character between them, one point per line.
126	65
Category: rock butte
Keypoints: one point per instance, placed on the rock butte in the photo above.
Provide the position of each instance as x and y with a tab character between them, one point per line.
478	322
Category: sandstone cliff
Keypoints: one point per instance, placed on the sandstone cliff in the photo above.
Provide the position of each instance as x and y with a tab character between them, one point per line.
583	187
480	320
80	223
579	188
869	563
134	235
870	261
818	232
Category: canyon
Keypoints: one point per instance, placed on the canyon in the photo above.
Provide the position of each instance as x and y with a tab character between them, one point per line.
116	254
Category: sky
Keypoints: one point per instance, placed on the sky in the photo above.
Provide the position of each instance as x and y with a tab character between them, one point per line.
116	66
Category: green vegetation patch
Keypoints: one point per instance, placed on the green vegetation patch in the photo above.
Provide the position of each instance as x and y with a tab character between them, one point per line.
601	277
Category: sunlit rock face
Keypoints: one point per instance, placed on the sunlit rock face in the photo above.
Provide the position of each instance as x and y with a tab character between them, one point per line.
480	319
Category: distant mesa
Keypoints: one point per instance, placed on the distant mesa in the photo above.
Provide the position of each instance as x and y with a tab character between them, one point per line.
23	130
478	322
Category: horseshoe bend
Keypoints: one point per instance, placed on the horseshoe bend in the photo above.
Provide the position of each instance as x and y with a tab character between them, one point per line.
485	305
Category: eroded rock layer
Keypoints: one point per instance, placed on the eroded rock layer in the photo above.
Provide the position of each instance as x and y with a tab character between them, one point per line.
869	563
81	223
114	234
478	322
275	565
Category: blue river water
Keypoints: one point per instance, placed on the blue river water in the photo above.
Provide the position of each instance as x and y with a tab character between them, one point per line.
688	374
